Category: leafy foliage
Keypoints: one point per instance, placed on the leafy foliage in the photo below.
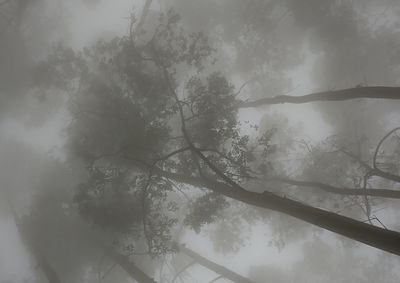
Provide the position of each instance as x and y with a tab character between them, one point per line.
124	102
109	200
205	210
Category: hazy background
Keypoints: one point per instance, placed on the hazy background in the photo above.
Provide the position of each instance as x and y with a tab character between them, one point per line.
295	48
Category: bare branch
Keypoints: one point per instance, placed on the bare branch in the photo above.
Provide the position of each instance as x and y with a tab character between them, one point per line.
378	92
366	200
377	219
193	262
356	158
108	271
341	191
219	269
242	87
380	143
373	171
134	271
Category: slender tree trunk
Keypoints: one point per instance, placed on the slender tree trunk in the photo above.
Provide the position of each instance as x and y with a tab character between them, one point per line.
135	272
145	11
377	237
35	250
378	92
219	269
340	191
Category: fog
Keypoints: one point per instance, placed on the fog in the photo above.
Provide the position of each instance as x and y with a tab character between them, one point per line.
199	141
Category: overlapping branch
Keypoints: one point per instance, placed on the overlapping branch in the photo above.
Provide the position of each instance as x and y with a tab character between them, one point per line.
371	235
376	92
373	192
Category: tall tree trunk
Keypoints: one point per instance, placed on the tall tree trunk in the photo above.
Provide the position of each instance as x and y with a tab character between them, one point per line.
219	269
378	92
377	237
35	250
145	11
384	193
135	272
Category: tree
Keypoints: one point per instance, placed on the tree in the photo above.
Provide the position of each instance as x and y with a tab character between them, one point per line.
42	261
337	95
221	270
143	129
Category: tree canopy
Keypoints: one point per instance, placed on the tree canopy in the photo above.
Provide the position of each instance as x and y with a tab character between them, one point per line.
158	142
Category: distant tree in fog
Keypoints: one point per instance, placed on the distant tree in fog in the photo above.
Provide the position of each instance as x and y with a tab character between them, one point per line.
156	127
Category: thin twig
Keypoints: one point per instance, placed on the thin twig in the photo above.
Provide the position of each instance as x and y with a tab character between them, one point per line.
242	87
379	145
183	270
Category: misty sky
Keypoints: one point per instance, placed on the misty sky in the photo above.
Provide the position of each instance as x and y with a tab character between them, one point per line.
296	49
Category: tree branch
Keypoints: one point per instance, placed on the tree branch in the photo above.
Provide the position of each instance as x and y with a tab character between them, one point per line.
341	191
44	264
373	171
378	92
379	145
216	278
183	270
134	271
219	269
145	11
374	236
377	237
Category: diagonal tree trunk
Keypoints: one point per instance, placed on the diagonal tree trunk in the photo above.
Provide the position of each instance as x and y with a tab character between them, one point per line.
377	237
219	269
35	250
378	92
135	272
368	234
384	193
145	12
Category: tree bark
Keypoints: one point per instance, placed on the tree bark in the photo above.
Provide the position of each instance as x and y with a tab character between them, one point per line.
377	237
219	269
145	11
384	193
378	92
384	175
40	258
135	272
